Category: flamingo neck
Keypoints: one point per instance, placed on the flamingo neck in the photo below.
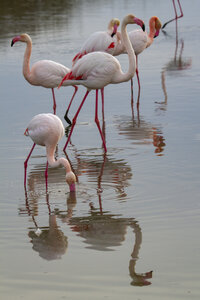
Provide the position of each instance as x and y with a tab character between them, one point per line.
26	64
152	31
131	54
56	163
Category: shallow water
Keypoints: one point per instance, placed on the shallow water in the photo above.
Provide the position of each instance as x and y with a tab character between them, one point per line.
132	228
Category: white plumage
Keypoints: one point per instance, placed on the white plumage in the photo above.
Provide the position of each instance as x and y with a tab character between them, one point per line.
100	41
47	130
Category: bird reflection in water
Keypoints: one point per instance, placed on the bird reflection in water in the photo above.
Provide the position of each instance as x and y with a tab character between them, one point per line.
49	240
106	172
103	231
175	66
141	133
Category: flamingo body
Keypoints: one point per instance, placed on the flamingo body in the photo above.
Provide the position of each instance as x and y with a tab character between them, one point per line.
46	73
100	41
140	39
95	70
47	130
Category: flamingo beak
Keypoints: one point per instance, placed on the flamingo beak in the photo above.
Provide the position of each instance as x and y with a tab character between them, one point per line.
140	23
157	33
16	39
114	30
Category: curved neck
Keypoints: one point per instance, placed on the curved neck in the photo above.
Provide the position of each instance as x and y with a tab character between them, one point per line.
27	55
152	32
131	54
56	163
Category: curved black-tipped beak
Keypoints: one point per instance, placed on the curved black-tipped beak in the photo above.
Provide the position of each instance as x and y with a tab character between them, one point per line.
12	43
143	27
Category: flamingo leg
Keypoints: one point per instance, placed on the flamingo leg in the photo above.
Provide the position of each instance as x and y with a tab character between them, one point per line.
46	176
176	16
26	164
138	79
97	122
65	116
74	119
132	93
102	97
54	101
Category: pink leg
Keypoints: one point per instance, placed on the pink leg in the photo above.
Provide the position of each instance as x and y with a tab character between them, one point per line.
54	102
66	117
46	176
176	16
138	79
74	120
26	164
97	122
102	97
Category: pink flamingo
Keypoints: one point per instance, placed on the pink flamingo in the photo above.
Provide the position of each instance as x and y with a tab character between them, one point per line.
45	73
98	41
46	130
140	40
98	69
176	15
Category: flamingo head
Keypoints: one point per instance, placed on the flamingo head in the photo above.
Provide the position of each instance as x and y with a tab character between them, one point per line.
71	179
156	23
25	38
131	19
113	26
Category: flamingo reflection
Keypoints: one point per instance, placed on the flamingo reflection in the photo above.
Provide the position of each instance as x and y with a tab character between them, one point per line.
48	240
175	66
141	133
103	231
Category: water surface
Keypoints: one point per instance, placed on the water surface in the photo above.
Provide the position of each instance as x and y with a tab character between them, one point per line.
131	230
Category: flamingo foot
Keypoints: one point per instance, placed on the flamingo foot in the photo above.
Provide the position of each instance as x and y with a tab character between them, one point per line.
66	118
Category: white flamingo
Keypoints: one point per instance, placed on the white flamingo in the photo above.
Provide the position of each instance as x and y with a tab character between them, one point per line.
98	41
140	40
98	69
45	73
46	130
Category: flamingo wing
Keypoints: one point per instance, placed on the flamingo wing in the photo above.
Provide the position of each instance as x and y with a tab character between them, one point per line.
48	73
98	41
43	129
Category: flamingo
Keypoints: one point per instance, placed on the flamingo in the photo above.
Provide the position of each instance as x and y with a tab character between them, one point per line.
98	41
140	40
98	69
176	16
46	130
45	73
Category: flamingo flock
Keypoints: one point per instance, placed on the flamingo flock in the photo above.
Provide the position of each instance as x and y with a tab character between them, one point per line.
95	66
